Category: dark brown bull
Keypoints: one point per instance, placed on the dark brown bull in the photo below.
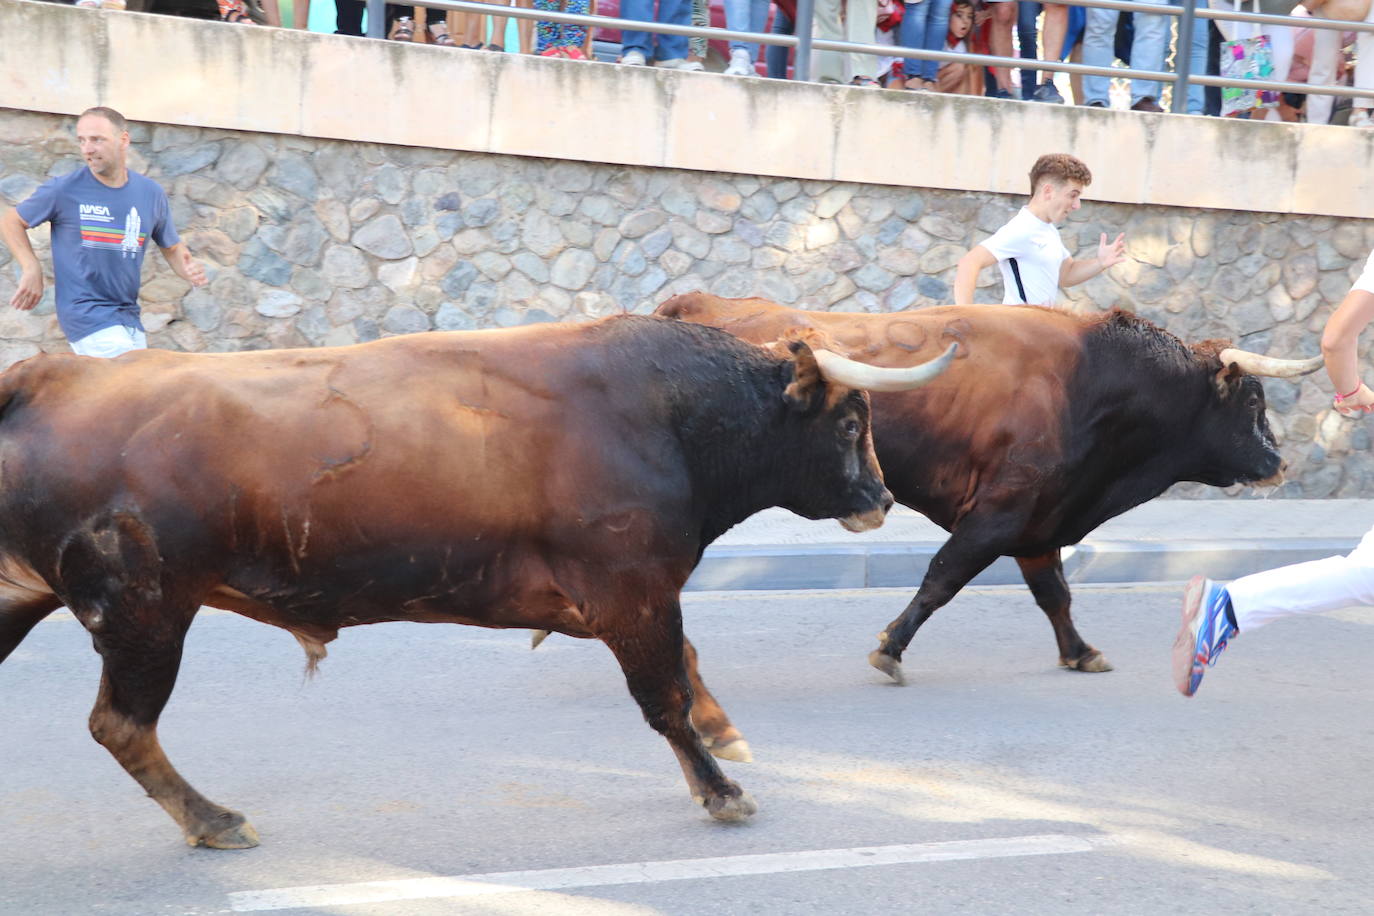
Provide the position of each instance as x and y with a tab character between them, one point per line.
558	477
1047	425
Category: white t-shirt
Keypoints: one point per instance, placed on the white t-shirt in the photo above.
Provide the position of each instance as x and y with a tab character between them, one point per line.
1366	280
1039	254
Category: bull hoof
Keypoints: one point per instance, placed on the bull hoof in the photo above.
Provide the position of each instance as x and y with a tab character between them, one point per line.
1094	662
238	835
887	665
736	750
732	808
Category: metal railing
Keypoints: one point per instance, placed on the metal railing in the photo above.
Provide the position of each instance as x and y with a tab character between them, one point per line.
804	42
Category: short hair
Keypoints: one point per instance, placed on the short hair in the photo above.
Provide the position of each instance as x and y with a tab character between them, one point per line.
1059	167
115	118
957	4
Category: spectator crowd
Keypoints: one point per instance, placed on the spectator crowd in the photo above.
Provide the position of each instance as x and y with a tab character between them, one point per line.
1030	30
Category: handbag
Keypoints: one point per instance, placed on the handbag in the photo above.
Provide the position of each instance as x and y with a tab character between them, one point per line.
1247	58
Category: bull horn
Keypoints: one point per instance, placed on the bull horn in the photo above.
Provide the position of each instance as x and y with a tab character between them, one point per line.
845	371
1269	366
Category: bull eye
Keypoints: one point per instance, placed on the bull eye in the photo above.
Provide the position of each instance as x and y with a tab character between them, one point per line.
851	428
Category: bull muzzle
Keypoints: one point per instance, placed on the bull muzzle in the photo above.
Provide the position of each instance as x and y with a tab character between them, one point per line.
873	518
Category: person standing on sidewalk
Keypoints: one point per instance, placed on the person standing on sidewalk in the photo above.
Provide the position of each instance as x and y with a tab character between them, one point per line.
1034	261
102	216
1214	613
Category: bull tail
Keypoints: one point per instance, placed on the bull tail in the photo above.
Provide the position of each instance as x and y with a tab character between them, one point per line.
315	652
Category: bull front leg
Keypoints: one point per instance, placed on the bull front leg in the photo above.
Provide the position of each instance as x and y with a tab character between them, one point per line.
650	649
953	567
139	672
1045	577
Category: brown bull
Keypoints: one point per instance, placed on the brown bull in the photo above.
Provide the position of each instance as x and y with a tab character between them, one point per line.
558	477
1048	424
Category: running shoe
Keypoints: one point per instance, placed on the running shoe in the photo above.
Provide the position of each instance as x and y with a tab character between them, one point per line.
1203	635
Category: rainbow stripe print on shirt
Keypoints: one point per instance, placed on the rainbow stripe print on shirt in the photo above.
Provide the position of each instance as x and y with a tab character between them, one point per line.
129	241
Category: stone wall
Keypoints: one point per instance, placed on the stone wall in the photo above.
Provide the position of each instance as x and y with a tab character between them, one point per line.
317	242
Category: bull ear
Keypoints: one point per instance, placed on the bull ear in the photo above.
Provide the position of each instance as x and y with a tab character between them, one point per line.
1227	379
807	382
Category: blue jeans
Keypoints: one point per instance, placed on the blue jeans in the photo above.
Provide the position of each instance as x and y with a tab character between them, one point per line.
776	56
1147	53
746	16
1196	93
924	25
670	12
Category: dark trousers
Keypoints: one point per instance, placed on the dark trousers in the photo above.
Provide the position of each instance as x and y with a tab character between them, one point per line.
349	19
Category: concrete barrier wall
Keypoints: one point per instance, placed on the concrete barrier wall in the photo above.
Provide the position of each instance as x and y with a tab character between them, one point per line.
330	206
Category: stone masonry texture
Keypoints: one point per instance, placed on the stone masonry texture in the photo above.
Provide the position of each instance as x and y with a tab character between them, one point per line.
319	243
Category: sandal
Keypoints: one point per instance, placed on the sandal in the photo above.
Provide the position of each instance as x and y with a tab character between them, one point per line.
438	35
496	48
867	82
403	29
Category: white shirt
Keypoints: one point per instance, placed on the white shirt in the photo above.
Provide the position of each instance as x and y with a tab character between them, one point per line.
1366	280
1039	253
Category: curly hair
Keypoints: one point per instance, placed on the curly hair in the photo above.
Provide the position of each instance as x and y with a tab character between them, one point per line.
1059	167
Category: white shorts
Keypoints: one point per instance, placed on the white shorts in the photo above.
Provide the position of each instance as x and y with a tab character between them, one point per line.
110	342
1366	280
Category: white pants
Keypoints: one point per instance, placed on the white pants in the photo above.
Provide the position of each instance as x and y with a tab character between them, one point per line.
1325	49
861	18
110	342
1305	588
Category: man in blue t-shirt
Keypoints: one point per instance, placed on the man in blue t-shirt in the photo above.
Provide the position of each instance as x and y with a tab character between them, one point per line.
102	216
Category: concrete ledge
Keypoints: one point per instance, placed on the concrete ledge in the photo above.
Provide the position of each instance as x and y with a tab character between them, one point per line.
291	82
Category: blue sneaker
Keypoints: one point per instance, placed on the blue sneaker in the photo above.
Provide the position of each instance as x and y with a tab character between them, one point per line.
1206	628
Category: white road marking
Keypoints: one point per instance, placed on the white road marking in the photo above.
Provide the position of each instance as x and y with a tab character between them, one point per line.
555	879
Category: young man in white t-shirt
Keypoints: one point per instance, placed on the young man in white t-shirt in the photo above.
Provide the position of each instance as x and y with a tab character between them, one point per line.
1034	262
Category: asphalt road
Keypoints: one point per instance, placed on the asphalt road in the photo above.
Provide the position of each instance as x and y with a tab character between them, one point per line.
994	783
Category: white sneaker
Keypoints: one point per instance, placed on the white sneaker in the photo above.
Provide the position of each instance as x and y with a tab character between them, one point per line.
741	64
633	59
680	63
1361	117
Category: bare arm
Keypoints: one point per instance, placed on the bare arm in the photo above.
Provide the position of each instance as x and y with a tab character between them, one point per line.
188	268
16	235
1072	271
1339	340
966	277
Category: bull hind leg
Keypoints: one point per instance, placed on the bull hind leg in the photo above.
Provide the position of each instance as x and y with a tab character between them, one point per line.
719	735
139	672
25	599
961	558
18	617
1045	577
651	653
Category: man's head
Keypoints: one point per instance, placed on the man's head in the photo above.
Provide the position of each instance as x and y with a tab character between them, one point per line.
1057	182
103	135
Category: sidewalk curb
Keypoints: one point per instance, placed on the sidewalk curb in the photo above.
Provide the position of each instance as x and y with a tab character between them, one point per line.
902	565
